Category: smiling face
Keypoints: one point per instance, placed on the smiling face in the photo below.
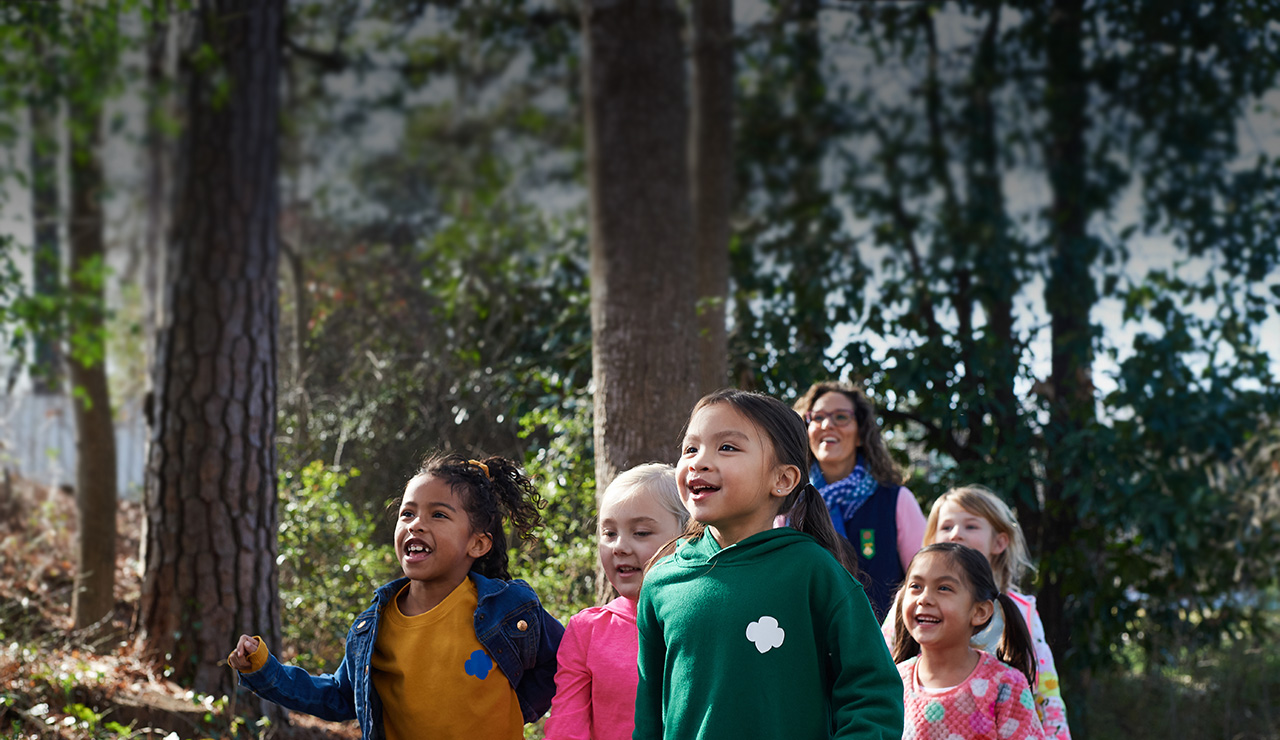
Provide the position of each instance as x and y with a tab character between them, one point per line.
956	524
633	526
729	475
434	540
835	447
938	607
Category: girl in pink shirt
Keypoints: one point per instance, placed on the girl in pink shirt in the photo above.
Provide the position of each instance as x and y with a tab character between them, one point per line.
596	680
952	691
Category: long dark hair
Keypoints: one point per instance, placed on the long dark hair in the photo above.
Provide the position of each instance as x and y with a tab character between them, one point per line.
491	489
1014	648
803	504
880	463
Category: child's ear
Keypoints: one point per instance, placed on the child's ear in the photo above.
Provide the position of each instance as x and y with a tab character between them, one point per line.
1001	542
785	479
982	612
481	542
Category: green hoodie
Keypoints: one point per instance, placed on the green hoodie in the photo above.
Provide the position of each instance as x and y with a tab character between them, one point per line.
766	638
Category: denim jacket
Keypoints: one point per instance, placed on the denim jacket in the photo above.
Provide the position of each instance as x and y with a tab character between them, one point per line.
526	655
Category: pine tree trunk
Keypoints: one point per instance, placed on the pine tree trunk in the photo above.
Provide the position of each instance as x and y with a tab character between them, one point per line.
643	297
211	479
93	597
712	182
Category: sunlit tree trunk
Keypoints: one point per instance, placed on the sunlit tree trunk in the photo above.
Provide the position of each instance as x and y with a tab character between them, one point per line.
96	496
711	150
211	484
1069	296
643	295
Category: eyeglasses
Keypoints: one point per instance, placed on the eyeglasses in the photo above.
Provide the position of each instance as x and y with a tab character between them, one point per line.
838	418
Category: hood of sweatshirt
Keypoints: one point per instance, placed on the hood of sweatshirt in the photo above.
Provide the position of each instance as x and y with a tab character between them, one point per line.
623	607
705	550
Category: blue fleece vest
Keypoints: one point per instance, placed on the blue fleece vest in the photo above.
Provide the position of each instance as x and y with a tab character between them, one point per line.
873	532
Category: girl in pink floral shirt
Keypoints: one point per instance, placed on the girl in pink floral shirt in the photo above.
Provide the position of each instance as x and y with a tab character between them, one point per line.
975	516
951	690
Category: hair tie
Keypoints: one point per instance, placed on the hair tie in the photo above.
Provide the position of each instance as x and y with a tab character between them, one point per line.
483	468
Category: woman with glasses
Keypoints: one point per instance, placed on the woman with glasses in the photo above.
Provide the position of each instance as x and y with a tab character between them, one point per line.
862	486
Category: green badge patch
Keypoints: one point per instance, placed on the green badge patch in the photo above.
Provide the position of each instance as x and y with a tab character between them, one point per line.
867	537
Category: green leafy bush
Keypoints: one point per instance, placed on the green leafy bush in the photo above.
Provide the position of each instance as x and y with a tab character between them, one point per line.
329	564
561	567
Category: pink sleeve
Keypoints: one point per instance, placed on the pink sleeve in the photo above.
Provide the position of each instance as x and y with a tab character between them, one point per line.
1015	708
889	626
911	524
570	717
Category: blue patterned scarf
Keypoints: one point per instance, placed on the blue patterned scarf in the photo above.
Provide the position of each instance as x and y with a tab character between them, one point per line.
846	496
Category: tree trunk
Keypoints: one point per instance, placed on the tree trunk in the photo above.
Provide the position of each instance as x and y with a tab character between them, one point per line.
211	478
643	305
1069	296
157	158
48	366
93	597
711	151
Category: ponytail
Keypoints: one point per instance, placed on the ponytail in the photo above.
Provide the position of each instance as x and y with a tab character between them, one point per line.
1014	649
1015	646
810	515
491	490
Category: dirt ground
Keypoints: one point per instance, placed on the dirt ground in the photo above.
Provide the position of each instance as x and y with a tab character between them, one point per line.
59	683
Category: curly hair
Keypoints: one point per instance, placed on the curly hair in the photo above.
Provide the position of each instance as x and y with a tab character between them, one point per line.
490	491
879	462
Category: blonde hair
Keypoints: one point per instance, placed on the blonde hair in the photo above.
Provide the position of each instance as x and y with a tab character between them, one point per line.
659	479
1008	566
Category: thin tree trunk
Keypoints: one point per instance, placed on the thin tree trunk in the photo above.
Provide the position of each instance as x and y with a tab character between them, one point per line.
211	479
46	273
93	597
1069	296
711	154
643	308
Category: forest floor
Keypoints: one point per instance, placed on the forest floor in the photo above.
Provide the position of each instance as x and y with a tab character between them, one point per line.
56	682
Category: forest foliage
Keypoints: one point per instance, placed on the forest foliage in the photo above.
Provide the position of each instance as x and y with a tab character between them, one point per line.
898	220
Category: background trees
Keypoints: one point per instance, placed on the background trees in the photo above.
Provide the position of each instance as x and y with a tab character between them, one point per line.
1042	237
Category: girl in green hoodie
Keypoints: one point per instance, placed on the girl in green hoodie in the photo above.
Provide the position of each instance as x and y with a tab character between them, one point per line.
747	631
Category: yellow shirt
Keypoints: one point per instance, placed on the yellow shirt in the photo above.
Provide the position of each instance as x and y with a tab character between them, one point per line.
435	678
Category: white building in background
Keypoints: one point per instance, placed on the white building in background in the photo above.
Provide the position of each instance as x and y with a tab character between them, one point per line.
38	441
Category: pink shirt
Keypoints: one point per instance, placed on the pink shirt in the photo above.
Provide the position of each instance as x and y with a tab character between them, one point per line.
911	526
993	703
597	675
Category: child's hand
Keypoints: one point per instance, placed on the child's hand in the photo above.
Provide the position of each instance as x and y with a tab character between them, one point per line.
239	658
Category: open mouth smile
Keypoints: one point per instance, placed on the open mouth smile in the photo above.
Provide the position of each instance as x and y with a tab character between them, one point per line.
416	550
699	489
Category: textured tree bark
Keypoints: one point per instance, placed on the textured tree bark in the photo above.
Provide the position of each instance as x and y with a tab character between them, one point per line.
210	544
711	150
93	597
643	290
1069	296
